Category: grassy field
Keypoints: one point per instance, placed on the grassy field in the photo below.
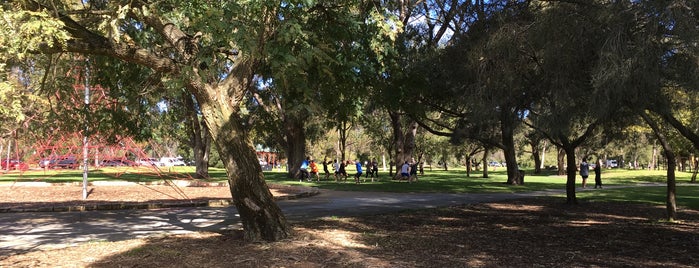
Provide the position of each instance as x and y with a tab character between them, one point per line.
452	181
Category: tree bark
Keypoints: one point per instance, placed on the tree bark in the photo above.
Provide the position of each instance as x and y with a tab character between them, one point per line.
201	141
485	162
671	202
261	217
295	145
572	169
507	130
537	157
561	162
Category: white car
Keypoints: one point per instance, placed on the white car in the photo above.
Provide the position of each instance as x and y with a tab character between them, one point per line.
171	161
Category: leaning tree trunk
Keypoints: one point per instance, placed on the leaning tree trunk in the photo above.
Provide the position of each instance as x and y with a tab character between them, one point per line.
262	219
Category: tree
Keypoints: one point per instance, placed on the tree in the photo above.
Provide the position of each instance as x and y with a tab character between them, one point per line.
214	50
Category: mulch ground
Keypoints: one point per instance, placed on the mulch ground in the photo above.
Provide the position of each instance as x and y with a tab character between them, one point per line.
538	232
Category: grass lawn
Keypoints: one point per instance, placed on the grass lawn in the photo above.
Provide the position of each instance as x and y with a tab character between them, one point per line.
436	180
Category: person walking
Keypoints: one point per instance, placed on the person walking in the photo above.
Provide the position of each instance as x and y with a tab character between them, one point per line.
342	171
325	168
357	176
598	174
584	171
314	171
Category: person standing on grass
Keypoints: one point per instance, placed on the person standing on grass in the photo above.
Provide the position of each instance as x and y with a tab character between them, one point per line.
413	170
598	174
405	171
358	164
314	171
325	168
304	169
374	169
342	171
336	167
584	171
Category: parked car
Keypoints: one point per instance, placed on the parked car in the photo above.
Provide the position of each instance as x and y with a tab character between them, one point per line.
148	162
59	162
67	162
116	163
172	161
13	164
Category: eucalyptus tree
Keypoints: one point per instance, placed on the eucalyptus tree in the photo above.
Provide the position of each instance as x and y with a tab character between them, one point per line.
214	49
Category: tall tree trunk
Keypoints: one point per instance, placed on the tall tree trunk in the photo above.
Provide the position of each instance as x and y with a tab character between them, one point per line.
671	202
572	168
343	129
468	166
508	142
561	161
201	140
295	145
695	166
486	151
537	157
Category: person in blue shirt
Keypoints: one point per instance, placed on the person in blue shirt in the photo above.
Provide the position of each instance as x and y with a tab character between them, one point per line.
359	171
304	169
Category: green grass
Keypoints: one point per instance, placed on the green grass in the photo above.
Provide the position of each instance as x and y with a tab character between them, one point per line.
452	181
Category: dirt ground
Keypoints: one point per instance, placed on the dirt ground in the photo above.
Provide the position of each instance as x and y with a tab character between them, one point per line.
538	232
38	197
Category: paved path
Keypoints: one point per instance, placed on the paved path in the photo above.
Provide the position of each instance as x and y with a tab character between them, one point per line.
21	232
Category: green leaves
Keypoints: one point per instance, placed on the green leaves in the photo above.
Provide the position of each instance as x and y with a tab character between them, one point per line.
23	32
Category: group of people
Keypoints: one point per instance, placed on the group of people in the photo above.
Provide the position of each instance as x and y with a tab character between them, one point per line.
408	171
309	170
585	173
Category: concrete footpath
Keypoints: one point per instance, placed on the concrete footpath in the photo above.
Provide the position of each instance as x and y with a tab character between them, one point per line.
20	232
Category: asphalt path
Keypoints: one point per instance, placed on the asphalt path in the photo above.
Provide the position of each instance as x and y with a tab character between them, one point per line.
21	232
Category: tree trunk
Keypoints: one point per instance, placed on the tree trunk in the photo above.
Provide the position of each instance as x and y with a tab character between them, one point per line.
537	157
507	127
296	145
343	129
468	166
572	169
404	142
695	166
671	202
262	219
561	162
485	162
201	140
